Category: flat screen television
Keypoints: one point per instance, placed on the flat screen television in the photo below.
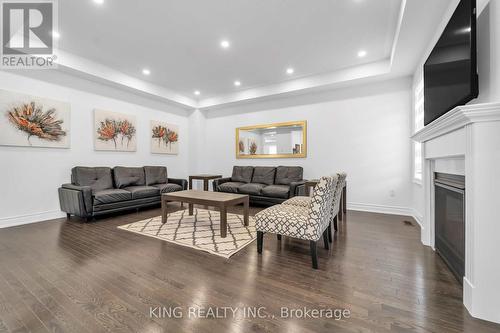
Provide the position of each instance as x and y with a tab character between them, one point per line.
450	72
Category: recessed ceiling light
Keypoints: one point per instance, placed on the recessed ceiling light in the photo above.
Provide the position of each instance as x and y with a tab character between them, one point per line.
225	44
290	71
361	53
237	83
197	92
146	71
99	2
56	34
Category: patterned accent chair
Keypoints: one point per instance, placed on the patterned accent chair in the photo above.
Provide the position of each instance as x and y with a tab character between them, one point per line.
307	223
302	201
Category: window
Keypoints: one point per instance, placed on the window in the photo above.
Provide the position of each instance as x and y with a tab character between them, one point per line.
418	124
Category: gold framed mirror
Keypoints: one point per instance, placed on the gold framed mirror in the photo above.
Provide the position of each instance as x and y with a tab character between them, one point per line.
278	140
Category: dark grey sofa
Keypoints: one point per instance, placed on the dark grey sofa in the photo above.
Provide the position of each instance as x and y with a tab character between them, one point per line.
264	185
99	190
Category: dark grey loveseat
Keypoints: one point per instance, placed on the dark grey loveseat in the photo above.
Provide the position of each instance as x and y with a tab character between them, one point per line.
264	185
99	190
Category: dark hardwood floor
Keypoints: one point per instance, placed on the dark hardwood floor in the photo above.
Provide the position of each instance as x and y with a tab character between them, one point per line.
68	276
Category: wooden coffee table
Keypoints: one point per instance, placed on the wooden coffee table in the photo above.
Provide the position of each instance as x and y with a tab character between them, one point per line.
216	199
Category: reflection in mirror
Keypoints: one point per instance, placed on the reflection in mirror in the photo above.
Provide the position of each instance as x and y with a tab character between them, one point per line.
272	141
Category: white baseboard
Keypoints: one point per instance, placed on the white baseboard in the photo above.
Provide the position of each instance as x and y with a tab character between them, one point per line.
467	295
383	209
418	217
12	221
480	307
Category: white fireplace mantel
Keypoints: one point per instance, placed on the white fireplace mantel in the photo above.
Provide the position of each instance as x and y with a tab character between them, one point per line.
470	134
458	118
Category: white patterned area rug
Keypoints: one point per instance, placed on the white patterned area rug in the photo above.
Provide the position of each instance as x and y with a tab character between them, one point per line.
201	231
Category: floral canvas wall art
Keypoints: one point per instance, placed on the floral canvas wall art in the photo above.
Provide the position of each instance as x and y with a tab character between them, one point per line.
114	131
164	138
33	121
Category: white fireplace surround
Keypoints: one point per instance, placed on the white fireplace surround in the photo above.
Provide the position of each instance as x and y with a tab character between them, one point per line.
466	141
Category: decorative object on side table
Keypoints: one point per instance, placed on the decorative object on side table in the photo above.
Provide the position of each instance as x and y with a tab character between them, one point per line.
114	131
164	138
205	177
33	121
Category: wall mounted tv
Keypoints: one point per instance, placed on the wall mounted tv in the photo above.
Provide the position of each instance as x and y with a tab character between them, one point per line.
450	72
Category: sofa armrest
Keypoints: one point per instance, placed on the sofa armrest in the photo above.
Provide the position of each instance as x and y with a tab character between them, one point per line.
297	188
182	182
220	181
76	200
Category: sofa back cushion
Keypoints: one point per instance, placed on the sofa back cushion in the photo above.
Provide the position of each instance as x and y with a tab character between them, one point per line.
155	175
288	174
242	174
264	175
98	178
127	176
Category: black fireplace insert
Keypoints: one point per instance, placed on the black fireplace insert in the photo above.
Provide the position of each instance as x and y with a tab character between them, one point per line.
449	210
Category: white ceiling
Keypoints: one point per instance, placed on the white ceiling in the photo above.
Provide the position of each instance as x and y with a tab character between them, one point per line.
178	40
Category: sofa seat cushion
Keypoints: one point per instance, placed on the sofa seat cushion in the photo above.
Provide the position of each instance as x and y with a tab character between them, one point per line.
230	187
251	188
110	196
287	220
167	188
298	201
139	192
276	191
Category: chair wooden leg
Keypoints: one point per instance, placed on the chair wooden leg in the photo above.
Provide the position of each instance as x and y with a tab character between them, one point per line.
260	241
326	241
314	254
344	196
335	226
330	237
278	236
68	216
341	209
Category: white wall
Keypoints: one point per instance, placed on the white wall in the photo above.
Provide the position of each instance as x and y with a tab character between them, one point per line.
488	53
29	177
362	130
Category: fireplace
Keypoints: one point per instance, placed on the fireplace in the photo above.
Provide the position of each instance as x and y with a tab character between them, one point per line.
450	221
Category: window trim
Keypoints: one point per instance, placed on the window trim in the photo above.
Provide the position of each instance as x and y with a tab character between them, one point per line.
417	114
